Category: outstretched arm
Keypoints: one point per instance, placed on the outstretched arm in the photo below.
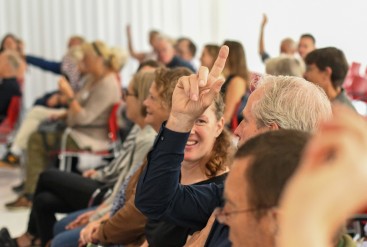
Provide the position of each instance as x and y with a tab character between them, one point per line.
44	64
159	194
137	55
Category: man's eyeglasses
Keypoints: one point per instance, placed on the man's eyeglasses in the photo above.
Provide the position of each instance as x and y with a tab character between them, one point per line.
223	216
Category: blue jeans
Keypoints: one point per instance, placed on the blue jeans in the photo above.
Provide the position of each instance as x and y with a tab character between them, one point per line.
68	238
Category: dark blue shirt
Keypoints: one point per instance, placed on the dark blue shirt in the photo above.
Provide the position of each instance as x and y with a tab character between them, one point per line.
179	62
44	64
160	196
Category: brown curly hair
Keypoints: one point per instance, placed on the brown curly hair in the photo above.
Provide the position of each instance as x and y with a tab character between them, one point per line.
166	80
223	149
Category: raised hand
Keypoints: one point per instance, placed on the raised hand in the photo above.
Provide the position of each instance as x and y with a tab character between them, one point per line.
264	21
195	93
330	184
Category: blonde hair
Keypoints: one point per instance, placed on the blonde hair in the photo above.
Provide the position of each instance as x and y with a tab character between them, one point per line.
141	83
114	57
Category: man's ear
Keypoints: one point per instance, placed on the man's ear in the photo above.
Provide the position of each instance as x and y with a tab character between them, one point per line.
273	126
328	71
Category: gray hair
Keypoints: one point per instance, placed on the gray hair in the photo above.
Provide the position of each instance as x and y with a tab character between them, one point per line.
285	65
291	103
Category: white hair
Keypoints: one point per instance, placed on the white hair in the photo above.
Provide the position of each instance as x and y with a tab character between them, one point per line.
291	103
285	65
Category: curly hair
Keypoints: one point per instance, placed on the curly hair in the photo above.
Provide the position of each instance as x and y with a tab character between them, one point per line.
166	80
223	149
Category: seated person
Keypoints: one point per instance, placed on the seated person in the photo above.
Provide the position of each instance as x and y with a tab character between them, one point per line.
9	87
287	46
12	44
186	49
209	54
327	68
306	44
125	224
192	205
87	115
53	195
285	65
323	181
143	56
167	55
38	114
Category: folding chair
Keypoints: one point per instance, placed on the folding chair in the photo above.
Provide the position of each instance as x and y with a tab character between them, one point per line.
9	123
65	156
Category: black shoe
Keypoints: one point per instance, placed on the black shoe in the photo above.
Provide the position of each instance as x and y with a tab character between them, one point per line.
6	240
18	188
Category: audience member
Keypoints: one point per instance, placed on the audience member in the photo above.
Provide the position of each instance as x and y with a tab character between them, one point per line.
67	67
167	55
53	195
126	225
186	50
9	87
36	116
10	43
87	115
143	56
236	83
206	157
252	190
289	103
209	54
306	44
285	65
287	46
332	172
327	67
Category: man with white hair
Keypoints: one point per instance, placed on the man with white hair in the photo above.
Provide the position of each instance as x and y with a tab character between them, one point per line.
277	103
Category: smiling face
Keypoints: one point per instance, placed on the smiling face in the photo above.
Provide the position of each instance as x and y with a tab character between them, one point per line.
157	111
202	137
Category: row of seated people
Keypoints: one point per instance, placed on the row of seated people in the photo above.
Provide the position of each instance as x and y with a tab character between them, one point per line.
87	114
194	142
181	182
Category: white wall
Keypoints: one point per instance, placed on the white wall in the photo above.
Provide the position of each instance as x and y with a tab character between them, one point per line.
45	26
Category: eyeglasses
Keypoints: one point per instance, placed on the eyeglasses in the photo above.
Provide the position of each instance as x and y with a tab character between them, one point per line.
126	93
223	216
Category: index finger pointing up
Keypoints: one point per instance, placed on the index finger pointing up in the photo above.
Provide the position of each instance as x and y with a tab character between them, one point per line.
219	64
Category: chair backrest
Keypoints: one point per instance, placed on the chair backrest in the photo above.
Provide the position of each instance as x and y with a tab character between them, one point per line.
8	124
113	127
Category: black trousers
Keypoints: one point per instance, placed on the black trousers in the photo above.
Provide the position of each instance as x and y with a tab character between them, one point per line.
57	192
